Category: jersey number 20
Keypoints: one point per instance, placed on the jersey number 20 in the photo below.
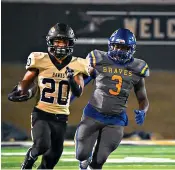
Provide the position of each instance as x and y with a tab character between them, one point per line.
118	85
63	91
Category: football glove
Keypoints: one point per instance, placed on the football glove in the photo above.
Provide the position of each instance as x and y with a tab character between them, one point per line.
69	72
15	95
139	116
75	88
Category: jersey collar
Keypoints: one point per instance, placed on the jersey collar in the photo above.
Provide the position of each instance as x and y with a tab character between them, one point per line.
58	65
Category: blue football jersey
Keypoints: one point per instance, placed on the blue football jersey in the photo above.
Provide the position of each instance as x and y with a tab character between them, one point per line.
114	82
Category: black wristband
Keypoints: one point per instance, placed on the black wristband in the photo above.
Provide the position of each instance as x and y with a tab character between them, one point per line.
75	88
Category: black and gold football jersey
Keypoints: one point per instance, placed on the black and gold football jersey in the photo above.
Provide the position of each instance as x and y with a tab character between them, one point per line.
54	91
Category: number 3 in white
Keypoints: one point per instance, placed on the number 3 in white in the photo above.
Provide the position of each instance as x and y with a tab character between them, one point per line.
118	85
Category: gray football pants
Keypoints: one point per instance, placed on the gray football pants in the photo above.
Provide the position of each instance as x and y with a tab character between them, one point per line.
96	139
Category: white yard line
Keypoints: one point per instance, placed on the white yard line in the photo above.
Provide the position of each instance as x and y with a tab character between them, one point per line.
123	142
24	153
121	160
130	160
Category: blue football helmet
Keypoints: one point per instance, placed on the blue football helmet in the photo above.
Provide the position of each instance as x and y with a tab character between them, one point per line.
121	46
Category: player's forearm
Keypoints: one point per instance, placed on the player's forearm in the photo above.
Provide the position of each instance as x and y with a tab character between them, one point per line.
32	90
27	88
86	82
23	86
27	81
141	94
75	88
76	82
144	104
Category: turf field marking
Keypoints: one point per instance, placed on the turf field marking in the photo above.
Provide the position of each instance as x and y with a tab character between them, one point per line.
125	142
130	160
123	160
24	153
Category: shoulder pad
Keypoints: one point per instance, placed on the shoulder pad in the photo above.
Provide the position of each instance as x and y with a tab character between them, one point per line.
82	65
34	60
74	58
139	67
95	57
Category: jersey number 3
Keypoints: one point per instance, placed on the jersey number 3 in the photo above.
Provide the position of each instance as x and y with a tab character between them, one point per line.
118	85
63	91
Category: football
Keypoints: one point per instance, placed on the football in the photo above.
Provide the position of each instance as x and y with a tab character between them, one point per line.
25	87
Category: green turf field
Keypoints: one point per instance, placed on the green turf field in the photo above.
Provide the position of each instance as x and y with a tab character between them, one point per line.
126	157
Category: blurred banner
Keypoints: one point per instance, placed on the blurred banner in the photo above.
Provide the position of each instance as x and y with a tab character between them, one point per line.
25	25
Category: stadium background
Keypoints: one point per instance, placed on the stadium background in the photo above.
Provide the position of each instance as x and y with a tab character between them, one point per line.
24	27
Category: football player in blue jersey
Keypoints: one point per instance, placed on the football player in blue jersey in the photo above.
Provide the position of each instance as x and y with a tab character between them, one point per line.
115	72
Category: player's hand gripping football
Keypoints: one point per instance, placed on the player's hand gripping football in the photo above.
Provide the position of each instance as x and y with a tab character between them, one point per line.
69	72
139	116
16	96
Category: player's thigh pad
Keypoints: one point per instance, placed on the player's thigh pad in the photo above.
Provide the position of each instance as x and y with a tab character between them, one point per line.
108	140
41	135
85	137
58	131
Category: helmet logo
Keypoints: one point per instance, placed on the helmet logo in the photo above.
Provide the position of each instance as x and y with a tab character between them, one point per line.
52	29
120	41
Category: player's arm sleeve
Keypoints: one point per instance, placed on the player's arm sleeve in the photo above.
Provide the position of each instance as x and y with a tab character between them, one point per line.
92	57
34	61
144	70
91	62
87	70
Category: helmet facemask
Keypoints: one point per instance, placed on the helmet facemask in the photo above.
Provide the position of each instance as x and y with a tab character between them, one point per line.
120	53
60	47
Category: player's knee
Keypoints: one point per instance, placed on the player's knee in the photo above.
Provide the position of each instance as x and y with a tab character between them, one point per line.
99	162
50	160
82	152
43	146
43	149
50	163
81	156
